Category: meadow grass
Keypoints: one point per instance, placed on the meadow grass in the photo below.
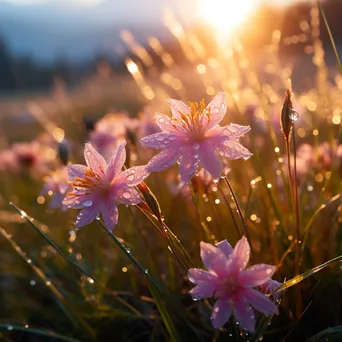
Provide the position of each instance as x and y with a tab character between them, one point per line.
131	284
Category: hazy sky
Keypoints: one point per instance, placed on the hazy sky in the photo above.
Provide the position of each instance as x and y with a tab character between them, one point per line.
78	28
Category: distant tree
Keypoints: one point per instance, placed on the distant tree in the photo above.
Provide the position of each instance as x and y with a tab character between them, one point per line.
7	79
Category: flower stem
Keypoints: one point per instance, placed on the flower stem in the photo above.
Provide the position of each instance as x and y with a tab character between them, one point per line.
166	233
237	229
196	204
296	207
248	236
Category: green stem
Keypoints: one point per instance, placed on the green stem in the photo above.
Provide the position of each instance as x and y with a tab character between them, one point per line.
238	208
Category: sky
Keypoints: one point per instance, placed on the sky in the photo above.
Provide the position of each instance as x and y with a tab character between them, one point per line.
76	29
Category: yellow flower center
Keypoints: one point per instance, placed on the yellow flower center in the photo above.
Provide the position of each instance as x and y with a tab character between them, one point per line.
90	182
231	285
193	122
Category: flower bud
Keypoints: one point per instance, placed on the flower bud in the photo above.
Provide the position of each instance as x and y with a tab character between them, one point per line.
286	122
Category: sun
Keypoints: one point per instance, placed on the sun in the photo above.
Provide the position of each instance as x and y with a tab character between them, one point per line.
225	15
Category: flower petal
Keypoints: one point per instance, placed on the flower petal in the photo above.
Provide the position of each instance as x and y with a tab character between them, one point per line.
241	254
198	276
159	140
116	162
234	131
135	175
76	170
256	275
232	150
213	259
203	290
110	214
225	247
244	314
222	311
164	122
188	165
94	159
75	200
217	109
260	302
88	214
178	108
126	195
164	159
209	159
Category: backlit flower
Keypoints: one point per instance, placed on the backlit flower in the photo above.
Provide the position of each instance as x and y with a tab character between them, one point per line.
99	187
110	131
194	135
56	185
231	284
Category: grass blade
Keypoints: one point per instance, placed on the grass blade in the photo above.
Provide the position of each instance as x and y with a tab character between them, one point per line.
36	331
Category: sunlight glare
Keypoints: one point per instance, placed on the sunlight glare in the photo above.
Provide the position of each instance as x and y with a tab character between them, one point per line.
225	15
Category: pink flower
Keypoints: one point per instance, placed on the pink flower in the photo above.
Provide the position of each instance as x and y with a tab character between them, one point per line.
8	161
110	131
227	280
269	287
57	186
193	134
33	156
99	187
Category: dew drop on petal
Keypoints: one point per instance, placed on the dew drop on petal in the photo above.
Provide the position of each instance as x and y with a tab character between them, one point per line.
87	203
130	177
196	146
126	194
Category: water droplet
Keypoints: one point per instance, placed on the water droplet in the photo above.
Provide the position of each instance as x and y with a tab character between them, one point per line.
128	250
196	146
195	156
132	171
146	270
9	327
126	194
87	203
130	177
294	115
33	282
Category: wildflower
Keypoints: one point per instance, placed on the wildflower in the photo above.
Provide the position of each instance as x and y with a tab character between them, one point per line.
194	135
110	131
227	280
8	161
99	187
269	287
57	186
33	156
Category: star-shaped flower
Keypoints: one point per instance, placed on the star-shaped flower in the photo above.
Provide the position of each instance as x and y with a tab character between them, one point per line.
99	187
234	286
194	135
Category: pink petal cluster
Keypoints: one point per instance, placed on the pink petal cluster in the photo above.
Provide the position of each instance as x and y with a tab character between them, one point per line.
27	156
194	135
231	284
110	131
99	187
57	186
